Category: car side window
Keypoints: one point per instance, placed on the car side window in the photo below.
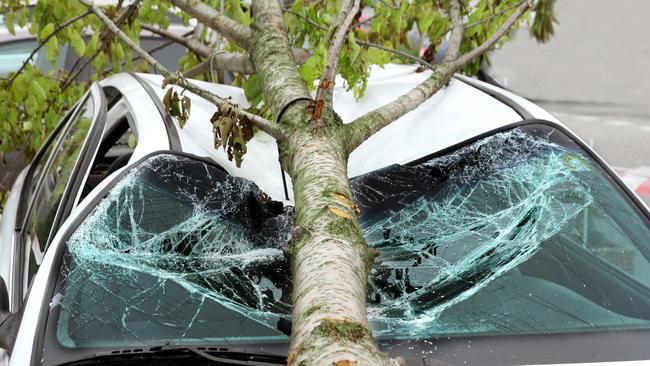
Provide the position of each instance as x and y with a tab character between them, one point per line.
52	184
43	157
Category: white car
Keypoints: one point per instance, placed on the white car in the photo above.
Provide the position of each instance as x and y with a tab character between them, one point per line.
503	238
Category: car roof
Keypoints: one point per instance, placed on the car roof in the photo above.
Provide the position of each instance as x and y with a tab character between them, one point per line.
456	113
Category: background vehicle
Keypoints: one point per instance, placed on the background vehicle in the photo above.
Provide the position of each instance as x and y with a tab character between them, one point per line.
93	271
16	48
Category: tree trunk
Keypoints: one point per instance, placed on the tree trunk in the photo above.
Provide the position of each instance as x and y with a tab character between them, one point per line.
330	259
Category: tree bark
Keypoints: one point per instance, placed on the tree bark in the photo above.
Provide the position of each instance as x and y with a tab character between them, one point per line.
330	258
273	58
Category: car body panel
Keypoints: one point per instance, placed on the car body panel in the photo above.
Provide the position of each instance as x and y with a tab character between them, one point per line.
7	235
7	247
146	120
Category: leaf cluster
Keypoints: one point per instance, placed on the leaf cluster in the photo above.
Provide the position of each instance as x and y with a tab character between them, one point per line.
232	130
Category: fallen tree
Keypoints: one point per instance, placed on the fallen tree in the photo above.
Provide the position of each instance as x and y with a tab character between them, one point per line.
287	60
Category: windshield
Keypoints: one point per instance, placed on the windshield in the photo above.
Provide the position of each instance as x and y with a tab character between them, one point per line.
516	233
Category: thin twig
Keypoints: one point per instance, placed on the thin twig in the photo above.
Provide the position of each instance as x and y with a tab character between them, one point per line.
44	41
324	93
478	51
105	37
501	12
397	52
305	18
263	124
204	13
190	43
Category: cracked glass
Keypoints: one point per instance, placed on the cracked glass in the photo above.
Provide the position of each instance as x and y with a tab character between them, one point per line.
519	232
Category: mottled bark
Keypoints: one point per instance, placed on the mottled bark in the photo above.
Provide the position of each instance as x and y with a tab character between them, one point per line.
330	259
273	57
236	62
457	31
218	22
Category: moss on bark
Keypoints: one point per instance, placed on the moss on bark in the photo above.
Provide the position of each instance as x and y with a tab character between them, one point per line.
342	329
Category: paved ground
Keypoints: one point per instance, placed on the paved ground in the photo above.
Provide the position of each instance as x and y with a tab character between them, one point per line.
594	75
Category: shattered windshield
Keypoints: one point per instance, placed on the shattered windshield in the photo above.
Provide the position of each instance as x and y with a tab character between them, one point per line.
519	232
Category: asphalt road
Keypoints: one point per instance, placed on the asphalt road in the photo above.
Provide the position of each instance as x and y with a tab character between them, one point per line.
594	75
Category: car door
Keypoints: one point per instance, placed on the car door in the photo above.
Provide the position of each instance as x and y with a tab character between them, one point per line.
54	187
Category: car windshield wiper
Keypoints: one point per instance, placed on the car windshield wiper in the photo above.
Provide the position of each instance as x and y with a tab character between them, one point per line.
180	355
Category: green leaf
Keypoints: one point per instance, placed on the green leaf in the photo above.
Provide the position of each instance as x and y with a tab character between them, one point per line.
77	42
9	22
424	22
378	57
253	90
315	65
100	61
326	18
59	10
47	30
52	50
235	10
31	105
115	64
132	141
118	51
19	88
37	90
24	17
27	126
91	47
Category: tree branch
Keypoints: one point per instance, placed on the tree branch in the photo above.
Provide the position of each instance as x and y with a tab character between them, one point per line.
237	33
273	58
190	43
237	62
263	124
478	51
370	123
234	62
44	41
324	94
457	32
367	125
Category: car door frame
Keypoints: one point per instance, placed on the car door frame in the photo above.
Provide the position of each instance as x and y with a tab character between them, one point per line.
70	196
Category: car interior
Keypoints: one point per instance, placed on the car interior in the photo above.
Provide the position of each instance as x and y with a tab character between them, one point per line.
117	145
